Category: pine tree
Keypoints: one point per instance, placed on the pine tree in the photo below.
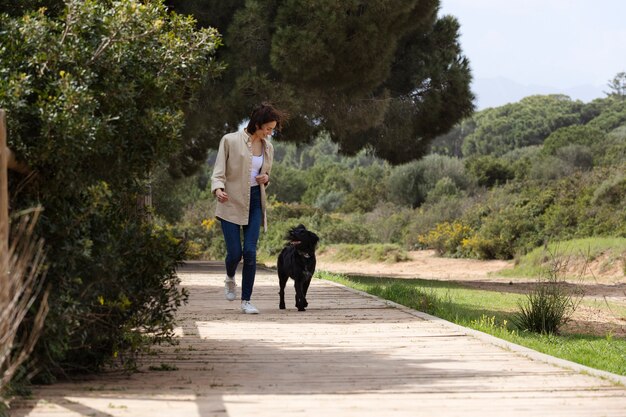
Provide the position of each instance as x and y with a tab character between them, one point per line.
389	75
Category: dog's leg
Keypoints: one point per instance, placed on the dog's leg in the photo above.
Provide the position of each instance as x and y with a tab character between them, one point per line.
282	280
299	286
305	287
283	277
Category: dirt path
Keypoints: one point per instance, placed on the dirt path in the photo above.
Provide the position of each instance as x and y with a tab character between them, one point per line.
422	264
349	354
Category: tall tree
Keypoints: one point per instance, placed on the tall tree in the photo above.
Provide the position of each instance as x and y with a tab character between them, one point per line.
388	75
618	85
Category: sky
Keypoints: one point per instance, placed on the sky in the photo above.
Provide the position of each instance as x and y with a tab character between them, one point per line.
555	44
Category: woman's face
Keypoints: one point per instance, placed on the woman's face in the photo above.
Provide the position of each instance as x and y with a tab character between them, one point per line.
267	128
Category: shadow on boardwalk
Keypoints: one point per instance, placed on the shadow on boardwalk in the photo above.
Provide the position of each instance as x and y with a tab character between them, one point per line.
347	355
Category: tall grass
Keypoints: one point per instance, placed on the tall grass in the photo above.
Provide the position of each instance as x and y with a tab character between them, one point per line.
548	306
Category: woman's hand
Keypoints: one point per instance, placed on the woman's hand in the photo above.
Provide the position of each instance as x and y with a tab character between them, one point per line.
262	179
222	197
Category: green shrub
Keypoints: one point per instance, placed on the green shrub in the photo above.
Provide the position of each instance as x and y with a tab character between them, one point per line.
572	135
489	171
388	223
550	304
579	157
611	191
96	119
445	187
287	184
406	185
426	218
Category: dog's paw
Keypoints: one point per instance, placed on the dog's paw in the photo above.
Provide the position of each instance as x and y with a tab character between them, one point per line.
281	306
301	309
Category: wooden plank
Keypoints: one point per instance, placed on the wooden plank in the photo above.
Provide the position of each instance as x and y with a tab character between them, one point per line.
348	355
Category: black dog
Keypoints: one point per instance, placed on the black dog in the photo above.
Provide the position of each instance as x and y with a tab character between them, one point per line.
297	260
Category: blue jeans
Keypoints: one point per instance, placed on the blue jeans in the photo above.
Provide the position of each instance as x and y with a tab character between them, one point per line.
234	250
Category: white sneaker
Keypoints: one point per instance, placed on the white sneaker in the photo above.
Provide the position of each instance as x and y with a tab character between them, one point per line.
248	308
229	288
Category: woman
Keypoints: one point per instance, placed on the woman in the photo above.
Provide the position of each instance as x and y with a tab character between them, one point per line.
241	173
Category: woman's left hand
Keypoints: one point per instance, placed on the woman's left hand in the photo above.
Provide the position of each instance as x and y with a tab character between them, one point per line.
262	179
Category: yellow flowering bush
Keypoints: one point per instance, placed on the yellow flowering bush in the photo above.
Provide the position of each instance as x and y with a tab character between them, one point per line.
447	238
208	224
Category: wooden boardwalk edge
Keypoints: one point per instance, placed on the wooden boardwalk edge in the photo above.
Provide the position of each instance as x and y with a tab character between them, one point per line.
505	344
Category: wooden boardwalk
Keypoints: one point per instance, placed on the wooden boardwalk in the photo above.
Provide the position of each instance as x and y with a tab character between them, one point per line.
347	355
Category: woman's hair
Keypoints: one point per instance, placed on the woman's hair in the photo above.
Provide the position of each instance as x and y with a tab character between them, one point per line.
265	113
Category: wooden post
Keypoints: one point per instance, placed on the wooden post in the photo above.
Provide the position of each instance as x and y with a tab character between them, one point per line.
4	186
4	210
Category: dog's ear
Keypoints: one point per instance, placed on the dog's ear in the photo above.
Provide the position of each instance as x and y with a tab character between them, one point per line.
294	233
314	238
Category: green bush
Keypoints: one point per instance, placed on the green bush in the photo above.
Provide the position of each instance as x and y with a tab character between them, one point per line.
548	306
95	98
572	135
426	218
611	191
405	185
287	184
388	223
489	171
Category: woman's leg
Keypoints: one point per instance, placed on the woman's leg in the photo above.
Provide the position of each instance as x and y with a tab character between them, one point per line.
232	238
250	240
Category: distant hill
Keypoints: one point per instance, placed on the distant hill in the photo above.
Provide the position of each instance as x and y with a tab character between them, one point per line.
494	92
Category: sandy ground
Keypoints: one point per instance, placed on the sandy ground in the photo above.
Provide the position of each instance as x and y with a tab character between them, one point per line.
598	319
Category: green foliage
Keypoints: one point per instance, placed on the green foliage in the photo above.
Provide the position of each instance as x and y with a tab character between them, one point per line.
287	184
406	185
573	135
611	191
447	238
489	171
617	86
525	123
303	56
388	223
615	148
95	94
411	183
426	217
374	252
548	306
612	114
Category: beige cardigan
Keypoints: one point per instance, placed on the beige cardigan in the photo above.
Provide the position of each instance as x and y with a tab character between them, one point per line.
232	173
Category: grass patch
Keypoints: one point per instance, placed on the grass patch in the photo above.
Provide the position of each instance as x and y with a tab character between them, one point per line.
373	252
536	263
163	367
489	312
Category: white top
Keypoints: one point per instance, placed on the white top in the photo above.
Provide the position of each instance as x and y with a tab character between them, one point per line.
257	162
